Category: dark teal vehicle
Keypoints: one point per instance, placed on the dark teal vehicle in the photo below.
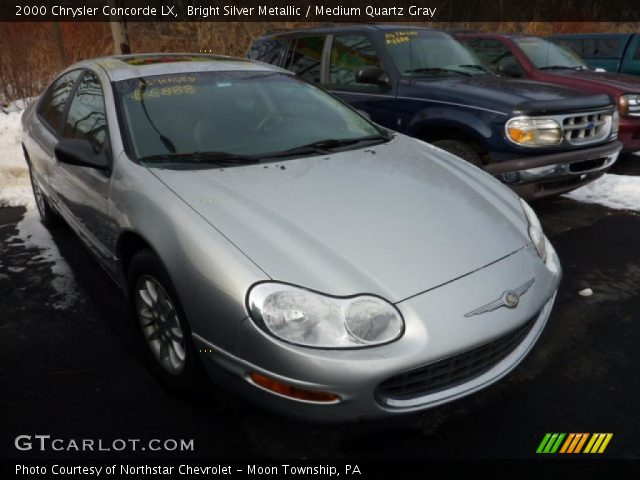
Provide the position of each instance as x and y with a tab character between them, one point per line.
613	52
540	139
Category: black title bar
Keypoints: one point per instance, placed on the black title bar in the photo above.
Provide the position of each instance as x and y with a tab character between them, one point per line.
321	10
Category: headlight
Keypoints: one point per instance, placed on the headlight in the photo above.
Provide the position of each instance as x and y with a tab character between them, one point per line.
535	231
310	319
629	104
533	132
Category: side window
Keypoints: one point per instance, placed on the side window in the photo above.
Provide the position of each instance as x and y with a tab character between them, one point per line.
601	47
489	51
268	50
349	53
307	58
86	118
636	55
53	105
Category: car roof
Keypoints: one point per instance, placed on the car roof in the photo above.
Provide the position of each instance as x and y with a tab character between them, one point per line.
124	67
351	27
590	35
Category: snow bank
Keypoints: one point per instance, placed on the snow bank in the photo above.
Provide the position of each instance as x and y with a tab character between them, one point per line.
15	190
614	191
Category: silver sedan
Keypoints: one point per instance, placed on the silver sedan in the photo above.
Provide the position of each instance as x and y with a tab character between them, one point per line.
310	260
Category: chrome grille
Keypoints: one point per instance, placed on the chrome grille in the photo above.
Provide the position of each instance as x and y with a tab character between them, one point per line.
454	370
587	127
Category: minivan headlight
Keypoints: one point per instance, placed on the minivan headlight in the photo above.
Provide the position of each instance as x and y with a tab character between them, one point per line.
533	132
311	319
629	104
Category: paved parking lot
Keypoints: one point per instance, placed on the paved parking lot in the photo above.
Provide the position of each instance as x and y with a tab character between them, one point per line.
69	366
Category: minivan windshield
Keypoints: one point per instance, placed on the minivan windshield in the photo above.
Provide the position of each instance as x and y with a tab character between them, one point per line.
231	117
422	53
546	55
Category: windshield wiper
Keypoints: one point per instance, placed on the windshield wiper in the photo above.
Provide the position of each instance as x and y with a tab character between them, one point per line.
560	67
321	146
222	159
476	67
436	69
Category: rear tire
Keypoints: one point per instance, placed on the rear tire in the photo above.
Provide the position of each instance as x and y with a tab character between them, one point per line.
460	149
169	352
48	216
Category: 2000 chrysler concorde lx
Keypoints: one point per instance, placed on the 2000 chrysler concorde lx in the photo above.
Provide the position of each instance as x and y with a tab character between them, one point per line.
312	261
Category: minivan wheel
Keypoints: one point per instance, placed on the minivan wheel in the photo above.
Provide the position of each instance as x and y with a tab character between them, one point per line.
169	352
460	149
47	215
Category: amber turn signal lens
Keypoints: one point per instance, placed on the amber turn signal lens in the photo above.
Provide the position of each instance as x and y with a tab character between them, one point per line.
521	136
293	392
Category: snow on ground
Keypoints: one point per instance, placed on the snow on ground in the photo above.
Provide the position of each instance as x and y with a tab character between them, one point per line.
15	190
14	177
614	191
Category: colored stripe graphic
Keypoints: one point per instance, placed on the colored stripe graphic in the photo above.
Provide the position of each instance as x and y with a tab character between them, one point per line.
573	443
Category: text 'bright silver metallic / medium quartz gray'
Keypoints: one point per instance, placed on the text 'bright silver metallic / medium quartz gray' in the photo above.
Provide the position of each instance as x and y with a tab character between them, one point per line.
316	263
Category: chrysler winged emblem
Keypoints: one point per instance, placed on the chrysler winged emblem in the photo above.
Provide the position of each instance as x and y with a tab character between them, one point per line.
509	299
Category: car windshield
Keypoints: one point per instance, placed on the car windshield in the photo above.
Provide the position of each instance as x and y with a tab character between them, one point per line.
420	53
546	55
234	117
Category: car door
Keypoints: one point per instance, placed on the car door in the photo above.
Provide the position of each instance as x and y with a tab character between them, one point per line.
43	134
346	54
84	191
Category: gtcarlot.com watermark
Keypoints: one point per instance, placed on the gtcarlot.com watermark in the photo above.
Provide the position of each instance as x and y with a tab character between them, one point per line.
47	443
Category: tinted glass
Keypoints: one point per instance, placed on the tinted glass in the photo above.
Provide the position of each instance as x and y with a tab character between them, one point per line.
543	53
600	47
488	50
53	105
420	53
575	45
307	58
348	54
269	50
86	118
240	113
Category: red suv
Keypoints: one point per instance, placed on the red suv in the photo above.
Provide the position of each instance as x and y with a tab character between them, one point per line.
535	58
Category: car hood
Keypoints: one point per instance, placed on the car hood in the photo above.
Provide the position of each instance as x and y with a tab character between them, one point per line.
509	95
394	219
612	83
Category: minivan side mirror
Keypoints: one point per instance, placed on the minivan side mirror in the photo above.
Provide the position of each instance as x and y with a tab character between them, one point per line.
80	152
509	67
372	75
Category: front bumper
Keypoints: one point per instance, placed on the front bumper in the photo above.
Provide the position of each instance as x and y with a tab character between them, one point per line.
629	134
553	174
436	329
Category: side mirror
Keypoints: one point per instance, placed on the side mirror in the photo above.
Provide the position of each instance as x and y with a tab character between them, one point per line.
509	67
372	75
80	152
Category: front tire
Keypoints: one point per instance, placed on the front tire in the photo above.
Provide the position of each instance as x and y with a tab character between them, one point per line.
169	353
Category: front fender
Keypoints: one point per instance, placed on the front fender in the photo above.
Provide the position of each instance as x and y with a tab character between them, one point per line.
483	127
210	274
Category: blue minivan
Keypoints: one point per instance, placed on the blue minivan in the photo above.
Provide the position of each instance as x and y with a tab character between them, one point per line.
540	139
613	52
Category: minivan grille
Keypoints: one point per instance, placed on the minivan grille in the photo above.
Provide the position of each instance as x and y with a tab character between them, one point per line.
454	370
586	127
